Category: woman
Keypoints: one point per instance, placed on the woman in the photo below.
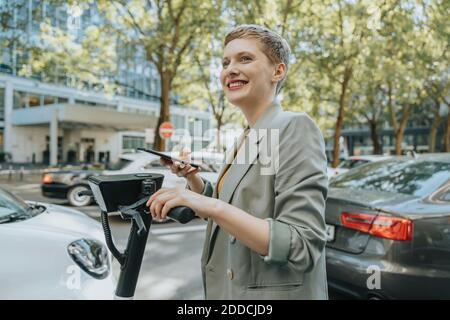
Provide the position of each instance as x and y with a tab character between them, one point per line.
266	232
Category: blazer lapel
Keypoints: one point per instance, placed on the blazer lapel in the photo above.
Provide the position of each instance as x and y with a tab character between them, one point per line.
245	158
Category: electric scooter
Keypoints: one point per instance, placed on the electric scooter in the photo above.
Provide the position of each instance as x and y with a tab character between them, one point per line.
128	194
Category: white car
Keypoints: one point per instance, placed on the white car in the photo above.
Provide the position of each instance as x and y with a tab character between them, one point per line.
353	162
51	252
66	184
145	162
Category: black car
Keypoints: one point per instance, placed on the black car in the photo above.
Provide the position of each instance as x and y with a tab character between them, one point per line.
66	184
388	224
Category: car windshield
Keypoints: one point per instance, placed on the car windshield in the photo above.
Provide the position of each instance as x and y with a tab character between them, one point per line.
418	178
348	164
120	164
12	208
204	167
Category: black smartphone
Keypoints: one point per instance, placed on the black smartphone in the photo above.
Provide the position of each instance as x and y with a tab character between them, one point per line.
165	156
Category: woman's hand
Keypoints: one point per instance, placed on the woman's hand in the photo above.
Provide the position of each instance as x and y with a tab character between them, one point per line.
194	181
180	169
165	199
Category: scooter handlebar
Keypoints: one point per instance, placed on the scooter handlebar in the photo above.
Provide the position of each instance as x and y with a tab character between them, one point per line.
181	214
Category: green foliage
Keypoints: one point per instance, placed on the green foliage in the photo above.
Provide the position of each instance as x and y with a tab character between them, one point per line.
374	59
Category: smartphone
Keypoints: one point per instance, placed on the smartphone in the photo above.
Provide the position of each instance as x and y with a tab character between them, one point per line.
166	157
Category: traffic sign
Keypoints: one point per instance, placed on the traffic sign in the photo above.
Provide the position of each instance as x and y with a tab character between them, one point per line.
166	130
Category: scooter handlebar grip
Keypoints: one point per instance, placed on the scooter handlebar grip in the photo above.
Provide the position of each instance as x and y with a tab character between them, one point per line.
181	214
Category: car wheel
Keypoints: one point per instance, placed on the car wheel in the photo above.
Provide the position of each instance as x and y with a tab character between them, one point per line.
76	200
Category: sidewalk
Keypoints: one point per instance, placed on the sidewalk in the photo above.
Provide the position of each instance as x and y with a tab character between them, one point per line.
15	176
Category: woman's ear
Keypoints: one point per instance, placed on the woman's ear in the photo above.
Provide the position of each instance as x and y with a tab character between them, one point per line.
280	72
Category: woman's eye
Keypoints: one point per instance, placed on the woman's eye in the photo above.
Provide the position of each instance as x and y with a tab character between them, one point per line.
224	64
246	58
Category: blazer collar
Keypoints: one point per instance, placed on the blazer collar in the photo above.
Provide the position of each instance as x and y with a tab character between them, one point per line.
266	118
244	158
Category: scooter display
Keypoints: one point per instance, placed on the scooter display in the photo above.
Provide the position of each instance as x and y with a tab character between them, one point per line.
128	194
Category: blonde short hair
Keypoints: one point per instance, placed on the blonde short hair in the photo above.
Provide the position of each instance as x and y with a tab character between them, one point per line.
275	47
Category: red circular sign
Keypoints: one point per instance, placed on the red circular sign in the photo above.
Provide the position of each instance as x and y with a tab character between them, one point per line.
166	130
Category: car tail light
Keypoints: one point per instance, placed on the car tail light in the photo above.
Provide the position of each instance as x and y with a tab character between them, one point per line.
47	178
380	226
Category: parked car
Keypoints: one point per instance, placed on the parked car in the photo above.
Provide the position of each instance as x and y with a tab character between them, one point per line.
66	184
391	220
51	252
354	162
5	157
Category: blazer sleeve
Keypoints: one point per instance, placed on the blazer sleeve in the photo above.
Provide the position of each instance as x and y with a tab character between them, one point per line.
297	229
208	188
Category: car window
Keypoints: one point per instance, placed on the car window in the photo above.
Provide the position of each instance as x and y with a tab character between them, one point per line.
346	164
358	163
445	196
407	177
120	164
11	206
155	164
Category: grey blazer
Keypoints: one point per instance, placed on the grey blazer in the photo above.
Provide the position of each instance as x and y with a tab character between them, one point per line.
291	196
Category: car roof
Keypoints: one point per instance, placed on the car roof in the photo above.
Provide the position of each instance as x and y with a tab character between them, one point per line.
374	157
135	156
440	157
430	157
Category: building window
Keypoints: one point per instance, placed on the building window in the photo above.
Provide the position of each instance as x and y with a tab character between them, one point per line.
26	99
2	104
20	100
178	121
205	125
132	142
62	100
48	100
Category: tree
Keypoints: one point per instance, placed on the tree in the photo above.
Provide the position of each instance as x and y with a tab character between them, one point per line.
434	57
167	31
331	48
404	74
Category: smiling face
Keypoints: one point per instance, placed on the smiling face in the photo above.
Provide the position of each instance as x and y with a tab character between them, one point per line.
248	77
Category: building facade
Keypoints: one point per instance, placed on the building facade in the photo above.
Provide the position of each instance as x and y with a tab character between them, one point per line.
48	123
61	119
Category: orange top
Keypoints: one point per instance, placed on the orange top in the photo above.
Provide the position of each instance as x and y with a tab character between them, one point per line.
222	177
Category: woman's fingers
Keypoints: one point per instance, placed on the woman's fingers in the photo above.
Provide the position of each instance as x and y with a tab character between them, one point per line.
169	205
165	162
191	170
156	194
153	209
158	202
187	170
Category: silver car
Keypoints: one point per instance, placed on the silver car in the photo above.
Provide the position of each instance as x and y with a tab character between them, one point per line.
51	252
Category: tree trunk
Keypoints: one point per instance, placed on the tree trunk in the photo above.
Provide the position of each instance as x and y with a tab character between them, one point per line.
447	135
340	118
374	136
398	142
337	136
164	115
433	131
401	129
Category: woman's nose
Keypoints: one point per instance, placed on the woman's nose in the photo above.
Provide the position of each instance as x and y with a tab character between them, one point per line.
232	71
